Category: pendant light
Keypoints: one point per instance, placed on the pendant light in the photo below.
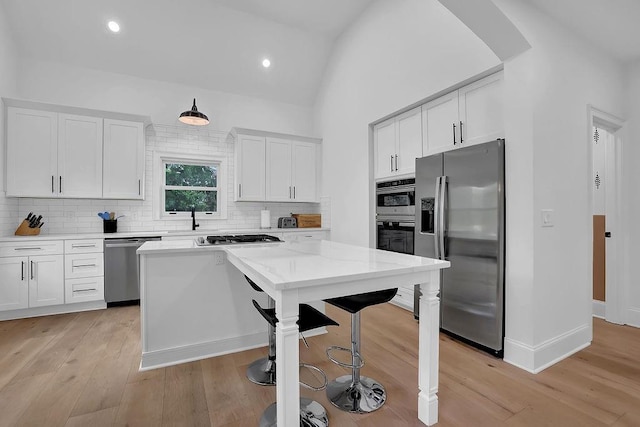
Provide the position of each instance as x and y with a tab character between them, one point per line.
194	117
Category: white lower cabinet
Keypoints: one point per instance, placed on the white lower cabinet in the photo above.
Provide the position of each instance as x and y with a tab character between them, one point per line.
83	270
85	289
14	286
404	297
301	236
34	281
50	274
46	280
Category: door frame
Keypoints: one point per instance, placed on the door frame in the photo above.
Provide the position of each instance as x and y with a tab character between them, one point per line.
615	287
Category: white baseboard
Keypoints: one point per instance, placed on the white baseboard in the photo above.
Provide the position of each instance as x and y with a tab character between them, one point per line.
52	309
599	309
535	359
632	317
189	353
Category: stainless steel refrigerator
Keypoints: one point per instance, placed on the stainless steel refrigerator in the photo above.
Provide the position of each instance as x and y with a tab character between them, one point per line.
460	217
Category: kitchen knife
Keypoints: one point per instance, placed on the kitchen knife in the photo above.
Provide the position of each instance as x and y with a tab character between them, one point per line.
32	222
41	224
29	216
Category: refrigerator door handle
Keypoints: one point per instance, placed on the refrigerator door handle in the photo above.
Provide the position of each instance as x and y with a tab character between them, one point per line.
442	215
436	219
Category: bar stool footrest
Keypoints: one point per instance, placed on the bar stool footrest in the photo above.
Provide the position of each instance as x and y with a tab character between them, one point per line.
325	381
343	364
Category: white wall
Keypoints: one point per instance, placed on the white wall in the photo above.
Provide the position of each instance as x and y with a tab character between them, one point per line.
8	207
631	206
569	75
396	54
81	87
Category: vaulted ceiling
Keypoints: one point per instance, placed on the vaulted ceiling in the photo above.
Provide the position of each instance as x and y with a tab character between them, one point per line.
220	44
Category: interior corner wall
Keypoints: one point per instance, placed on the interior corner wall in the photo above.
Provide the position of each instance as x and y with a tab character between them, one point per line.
8	206
631	204
568	75
397	53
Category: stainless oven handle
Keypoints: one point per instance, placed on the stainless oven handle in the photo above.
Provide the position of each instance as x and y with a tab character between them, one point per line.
443	216
436	219
399	189
407	224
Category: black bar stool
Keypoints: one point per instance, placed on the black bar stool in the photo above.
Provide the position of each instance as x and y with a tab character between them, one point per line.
312	413
263	370
355	393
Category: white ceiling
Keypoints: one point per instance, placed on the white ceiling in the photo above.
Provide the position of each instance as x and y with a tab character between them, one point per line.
612	25
219	44
213	44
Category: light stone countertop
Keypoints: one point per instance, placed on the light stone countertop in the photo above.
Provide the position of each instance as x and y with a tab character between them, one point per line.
172	233
295	264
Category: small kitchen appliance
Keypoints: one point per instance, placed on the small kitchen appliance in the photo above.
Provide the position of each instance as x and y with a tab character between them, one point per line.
287	222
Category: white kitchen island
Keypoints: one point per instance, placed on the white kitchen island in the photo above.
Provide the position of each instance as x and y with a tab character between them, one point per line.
299	272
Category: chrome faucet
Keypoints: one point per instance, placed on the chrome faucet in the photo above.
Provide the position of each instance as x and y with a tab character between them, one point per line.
193	219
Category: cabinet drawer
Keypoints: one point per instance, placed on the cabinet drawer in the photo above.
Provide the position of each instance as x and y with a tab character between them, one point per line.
83	265
82	246
85	289
304	236
46	247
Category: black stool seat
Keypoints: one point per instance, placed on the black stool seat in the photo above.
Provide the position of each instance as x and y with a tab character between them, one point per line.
355	303
253	285
308	317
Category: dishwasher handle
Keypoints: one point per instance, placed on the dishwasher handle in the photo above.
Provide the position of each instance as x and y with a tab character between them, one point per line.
134	244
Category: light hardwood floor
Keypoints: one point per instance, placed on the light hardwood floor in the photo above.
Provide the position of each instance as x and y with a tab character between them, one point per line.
82	370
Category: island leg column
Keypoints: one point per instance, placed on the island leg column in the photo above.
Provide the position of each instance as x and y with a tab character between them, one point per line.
429	349
287	360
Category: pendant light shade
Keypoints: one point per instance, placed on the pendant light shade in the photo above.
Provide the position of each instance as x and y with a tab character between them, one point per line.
194	117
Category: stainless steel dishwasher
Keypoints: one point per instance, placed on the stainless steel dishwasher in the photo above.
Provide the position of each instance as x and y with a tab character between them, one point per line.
121	285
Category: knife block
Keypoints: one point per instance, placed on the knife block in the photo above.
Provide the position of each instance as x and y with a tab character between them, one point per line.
24	230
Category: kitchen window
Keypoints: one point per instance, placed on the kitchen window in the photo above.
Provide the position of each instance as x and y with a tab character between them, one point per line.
187	182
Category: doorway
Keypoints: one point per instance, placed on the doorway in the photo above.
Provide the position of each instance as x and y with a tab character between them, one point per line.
605	139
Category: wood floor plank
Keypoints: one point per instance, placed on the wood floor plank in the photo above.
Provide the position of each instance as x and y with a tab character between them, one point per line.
16	397
83	369
184	396
142	402
102	418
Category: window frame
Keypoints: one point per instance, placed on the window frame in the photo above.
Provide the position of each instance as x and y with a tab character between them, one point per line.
163	158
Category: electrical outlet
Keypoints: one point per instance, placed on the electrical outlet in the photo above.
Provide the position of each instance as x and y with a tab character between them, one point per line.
218	257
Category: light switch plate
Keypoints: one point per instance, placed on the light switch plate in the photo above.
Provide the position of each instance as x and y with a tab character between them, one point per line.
547	217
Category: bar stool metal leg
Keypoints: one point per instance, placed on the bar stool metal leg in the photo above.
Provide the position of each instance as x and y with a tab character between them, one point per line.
354	393
312	414
263	371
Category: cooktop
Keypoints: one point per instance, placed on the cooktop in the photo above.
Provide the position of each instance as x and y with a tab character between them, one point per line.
236	239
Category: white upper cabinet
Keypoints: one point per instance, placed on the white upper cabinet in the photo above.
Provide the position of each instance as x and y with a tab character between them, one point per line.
250	168
384	137
467	116
292	169
481	110
304	176
32	153
54	152
439	123
409	128
274	167
278	170
79	156
124	159
397	144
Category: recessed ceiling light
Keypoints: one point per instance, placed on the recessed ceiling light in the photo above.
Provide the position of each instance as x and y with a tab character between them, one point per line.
113	26
266	63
